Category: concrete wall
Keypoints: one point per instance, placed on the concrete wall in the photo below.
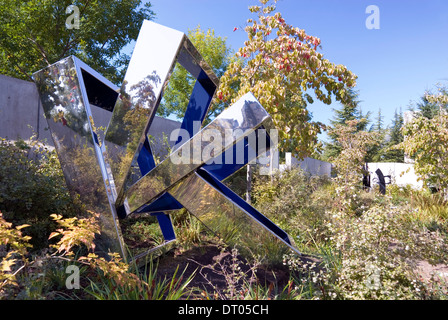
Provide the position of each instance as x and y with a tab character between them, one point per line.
401	173
20	109
312	166
21	114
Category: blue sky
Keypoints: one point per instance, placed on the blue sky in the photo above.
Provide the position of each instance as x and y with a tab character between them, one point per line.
395	64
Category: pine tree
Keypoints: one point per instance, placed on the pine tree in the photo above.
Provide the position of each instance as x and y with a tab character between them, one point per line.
376	152
427	109
348	112
396	137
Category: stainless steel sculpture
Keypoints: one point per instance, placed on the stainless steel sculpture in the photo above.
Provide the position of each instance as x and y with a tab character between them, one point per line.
115	171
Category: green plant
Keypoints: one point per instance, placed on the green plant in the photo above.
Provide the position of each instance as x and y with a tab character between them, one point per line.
431	205
400	195
238	281
425	143
189	231
116	281
141	233
32	188
13	250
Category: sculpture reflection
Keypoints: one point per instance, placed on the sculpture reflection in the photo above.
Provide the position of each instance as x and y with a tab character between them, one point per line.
76	138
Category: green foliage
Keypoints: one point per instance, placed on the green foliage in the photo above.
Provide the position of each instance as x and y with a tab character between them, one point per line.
116	281
216	53
429	209
376	152
426	141
75	232
426	108
389	152
350	162
32	188
371	254
349	112
141	233
12	259
33	34
289	200
365	255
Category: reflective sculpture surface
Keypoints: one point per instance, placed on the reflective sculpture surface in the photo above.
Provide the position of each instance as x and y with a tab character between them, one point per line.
103	137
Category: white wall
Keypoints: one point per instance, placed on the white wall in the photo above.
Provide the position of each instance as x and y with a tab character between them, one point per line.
401	173
312	166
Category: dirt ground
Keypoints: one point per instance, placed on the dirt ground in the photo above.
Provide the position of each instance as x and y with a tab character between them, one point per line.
428	272
211	265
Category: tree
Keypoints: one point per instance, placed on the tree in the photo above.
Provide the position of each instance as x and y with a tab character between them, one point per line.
349	112
427	109
390	153
280	64
33	34
376	152
426	142
350	161
378	125
216	53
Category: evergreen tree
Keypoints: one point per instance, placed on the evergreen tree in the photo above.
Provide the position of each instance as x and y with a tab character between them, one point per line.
349	112
376	152
378	126
426	108
396	137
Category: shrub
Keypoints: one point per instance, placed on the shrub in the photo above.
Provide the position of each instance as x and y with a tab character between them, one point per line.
287	199
32	187
13	248
371	256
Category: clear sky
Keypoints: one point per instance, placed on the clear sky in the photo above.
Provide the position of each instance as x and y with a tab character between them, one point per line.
395	64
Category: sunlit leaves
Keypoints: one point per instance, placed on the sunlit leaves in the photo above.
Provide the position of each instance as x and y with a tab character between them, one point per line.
426	142
12	238
74	232
216	54
349	161
280	64
33	34
354	146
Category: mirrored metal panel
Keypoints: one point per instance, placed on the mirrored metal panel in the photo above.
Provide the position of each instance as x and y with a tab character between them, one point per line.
149	68
76	102
130	153
240	120
228	215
